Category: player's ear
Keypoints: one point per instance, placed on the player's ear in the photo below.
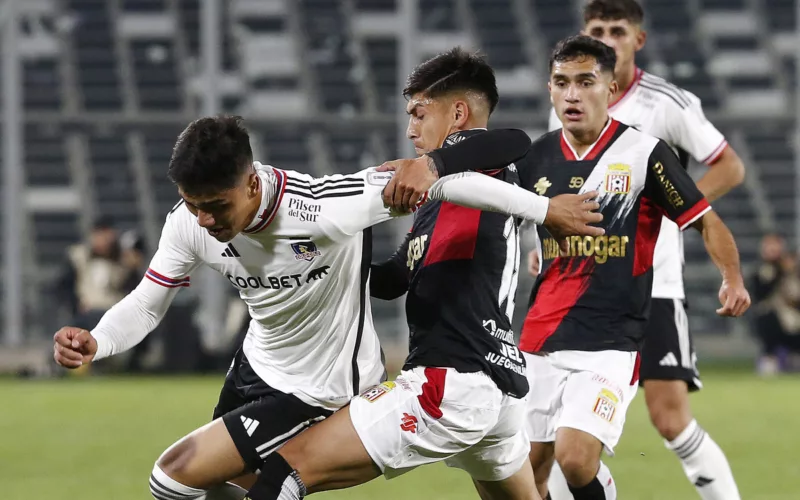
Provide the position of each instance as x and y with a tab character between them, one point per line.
613	88
460	113
253	184
641	38
550	91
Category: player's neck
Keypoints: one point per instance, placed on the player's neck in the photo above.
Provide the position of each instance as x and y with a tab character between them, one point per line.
625	78
582	140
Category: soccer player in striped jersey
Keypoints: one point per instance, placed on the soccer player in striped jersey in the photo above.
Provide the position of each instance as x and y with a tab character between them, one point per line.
297	248
668	371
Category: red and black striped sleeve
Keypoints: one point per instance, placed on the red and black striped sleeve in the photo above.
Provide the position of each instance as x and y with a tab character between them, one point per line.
671	188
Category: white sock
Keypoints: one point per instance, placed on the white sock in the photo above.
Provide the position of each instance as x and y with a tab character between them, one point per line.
557	484
609	485
226	491
704	464
163	487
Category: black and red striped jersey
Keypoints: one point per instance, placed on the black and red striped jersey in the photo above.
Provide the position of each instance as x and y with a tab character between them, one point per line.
459	267
597	295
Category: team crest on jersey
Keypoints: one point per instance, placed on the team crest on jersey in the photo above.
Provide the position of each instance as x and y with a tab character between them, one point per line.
541	186
379	390
606	405
305	250
618	178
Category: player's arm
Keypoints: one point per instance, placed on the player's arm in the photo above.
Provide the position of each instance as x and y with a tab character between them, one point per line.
490	150
388	280
131	319
691	131
674	192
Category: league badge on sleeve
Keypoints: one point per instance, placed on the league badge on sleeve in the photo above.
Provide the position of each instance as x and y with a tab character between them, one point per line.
305	250
618	178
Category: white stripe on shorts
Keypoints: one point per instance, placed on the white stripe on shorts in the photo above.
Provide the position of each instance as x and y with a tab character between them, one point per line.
682	327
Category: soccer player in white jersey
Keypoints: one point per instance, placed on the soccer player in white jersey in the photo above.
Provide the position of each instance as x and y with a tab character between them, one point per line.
668	365
298	250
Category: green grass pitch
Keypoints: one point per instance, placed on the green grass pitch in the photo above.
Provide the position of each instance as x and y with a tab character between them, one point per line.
94	438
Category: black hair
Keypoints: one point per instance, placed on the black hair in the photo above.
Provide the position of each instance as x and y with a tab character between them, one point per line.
579	46
211	155
613	10
454	70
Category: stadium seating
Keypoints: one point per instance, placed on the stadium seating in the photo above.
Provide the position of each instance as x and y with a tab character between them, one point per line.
130	70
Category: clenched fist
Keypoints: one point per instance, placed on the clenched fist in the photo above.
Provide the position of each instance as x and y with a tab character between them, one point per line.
72	347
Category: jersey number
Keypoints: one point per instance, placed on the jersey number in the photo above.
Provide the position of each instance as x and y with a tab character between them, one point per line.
416	248
508	284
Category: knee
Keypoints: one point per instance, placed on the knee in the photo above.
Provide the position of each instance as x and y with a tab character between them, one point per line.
175	460
670	418
578	463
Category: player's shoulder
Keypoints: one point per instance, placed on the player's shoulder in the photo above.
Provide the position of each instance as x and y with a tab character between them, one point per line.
549	142
643	140
666	93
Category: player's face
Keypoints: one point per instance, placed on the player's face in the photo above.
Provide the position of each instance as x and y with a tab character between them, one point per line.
581	93
224	214
430	121
621	35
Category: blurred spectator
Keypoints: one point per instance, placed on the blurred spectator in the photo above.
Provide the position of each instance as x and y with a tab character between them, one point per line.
776	294
95	276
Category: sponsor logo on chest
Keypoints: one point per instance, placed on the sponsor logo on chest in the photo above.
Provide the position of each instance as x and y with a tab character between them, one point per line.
306	212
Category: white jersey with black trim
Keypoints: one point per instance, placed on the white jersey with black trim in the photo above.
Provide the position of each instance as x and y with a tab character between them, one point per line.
302	269
663	110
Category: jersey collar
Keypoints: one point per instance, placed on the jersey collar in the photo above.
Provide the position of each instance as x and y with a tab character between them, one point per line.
628	91
595	149
272	183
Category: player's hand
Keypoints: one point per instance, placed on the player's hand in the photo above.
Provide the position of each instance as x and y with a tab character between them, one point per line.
411	181
533	263
734	298
73	347
570	215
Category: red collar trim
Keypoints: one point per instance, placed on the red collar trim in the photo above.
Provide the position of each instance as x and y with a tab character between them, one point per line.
595	149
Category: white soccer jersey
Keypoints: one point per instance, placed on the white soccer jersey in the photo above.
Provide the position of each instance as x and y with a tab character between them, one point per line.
311	250
659	108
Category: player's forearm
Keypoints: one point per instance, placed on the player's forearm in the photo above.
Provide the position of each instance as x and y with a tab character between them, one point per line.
131	319
721	246
387	281
489	150
723	176
480	191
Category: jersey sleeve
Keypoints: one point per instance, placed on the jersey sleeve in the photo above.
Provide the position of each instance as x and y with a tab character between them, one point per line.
671	189
175	259
689	129
389	279
490	150
553	123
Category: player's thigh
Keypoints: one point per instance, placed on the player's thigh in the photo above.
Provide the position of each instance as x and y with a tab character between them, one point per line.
575	448
518	486
503	450
330	455
547	382
541	457
596	402
204	458
668	351
668	406
261	427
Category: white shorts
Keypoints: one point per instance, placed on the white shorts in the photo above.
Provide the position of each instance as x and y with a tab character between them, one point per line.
432	414
588	391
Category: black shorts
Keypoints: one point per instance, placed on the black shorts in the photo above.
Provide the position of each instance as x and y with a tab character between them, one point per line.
668	352
259	418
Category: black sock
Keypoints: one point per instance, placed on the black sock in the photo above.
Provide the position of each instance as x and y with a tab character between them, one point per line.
272	483
592	491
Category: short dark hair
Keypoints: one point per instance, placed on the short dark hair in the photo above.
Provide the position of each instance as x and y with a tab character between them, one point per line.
613	10
579	46
211	155
454	70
